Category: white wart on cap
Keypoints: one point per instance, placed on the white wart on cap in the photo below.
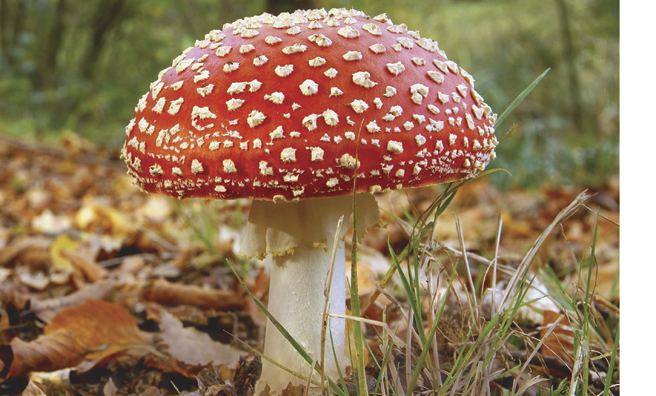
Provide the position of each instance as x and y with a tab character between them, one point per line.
295	106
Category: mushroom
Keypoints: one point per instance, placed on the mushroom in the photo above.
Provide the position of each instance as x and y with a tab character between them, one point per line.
300	111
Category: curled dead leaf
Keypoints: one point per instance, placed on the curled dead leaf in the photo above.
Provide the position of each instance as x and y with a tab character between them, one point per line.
81	337
32	252
89	268
104	329
50	352
173	294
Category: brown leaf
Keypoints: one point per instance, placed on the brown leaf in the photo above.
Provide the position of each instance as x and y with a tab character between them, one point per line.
15	300
247	374
260	288
47	309
81	336
293	390
193	346
32	252
104	329
89	268
173	294
33	389
51	352
560	342
173	366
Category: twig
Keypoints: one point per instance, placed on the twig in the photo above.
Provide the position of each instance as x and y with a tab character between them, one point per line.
600	215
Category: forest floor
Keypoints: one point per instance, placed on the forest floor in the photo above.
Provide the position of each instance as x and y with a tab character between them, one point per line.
105	290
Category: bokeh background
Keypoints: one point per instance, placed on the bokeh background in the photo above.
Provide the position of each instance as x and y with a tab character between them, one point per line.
79	67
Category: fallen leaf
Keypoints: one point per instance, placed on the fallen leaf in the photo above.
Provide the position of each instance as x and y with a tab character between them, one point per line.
247	374
47	353
76	144
62	243
47	309
168	365
15	300
33	389
93	217
110	388
260	288
5	273
49	223
50	380
80	337
88	267
293	390
192	346
32	252
560	342
35	279
173	294
104	329
156	208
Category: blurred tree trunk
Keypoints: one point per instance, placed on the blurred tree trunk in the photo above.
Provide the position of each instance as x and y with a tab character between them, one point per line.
108	15
11	26
579	115
275	7
46	71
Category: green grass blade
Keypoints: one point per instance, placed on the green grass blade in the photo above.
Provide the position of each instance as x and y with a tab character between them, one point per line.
611	364
383	365
196	225
358	337
555	289
520	98
413	299
587	321
425	347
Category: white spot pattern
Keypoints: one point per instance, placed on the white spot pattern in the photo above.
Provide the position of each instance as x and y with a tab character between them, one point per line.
445	111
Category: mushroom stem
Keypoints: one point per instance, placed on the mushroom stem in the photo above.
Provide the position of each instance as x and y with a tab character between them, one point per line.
297	302
299	236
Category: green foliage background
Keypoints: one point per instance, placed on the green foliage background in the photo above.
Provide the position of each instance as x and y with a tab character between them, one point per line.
81	65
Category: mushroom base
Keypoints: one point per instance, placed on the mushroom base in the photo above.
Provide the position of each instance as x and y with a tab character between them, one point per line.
303	275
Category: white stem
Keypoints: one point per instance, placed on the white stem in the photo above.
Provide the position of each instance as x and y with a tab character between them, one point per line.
299	237
298	306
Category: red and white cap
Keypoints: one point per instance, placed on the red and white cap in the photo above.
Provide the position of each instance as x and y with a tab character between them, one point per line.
297	105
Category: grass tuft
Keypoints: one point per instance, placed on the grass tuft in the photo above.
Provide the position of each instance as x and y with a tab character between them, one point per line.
482	352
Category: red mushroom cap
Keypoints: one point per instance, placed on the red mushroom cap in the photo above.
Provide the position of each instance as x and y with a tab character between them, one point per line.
294	106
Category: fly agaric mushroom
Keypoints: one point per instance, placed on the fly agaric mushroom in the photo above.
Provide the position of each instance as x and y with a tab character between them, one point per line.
300	111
